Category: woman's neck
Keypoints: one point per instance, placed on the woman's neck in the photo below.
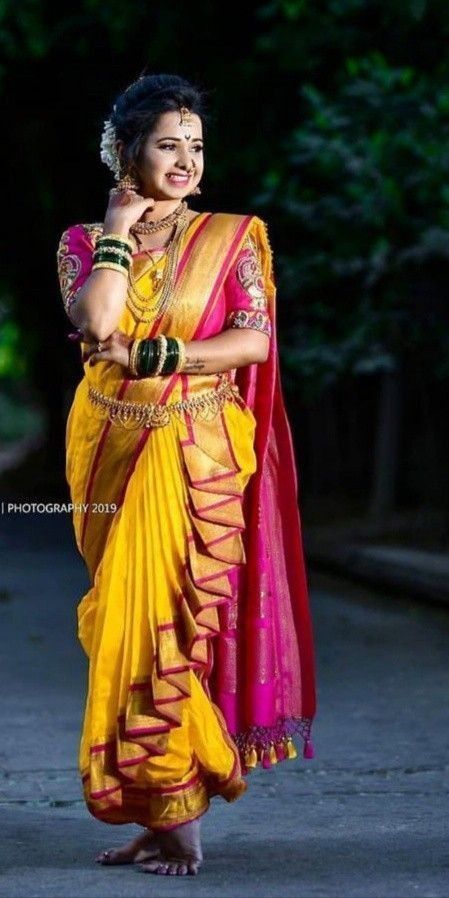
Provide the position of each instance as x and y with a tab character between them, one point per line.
160	210
160	238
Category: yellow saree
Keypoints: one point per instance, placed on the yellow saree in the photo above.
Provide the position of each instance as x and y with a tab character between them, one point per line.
159	523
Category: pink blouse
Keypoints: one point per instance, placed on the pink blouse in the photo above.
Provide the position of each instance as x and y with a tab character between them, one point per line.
244	300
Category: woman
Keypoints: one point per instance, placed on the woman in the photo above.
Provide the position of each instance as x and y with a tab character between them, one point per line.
181	469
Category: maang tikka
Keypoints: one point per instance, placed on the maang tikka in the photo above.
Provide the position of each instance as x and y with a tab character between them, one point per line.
186	119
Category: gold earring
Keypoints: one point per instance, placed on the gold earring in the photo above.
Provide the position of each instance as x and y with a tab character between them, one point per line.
195	191
126	182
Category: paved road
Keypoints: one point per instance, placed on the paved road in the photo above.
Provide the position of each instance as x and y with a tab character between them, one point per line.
366	817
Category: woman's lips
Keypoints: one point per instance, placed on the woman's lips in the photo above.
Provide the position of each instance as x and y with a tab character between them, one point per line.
178	179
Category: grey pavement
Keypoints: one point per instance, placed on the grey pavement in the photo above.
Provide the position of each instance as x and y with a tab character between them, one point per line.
366	817
421	573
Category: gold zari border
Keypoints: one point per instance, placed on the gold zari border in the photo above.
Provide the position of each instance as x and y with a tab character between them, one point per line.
137	414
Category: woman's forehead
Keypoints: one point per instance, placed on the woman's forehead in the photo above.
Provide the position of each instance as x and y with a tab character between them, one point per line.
169	125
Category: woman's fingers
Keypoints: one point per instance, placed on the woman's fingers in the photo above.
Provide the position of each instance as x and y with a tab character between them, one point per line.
115	348
94	351
101	357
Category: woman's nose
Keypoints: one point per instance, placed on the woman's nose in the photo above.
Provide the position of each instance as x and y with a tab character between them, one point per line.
184	160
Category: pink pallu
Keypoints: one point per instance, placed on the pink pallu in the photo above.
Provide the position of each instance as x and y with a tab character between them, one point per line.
264	670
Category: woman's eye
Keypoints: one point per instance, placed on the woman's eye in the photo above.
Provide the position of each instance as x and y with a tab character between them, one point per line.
171	146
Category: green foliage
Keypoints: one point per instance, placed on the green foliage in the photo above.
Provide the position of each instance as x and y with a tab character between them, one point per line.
332	124
362	183
19	416
18	419
12	361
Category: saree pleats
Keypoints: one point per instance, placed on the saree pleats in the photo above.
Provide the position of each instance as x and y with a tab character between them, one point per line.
147	621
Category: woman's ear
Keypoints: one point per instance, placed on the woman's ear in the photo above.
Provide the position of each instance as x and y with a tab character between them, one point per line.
120	148
125	166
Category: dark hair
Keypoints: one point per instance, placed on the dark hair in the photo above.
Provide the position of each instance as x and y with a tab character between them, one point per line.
139	106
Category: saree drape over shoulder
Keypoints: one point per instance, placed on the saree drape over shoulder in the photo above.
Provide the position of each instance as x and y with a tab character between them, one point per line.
196	623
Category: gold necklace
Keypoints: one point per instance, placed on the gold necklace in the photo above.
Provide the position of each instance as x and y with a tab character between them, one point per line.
149	227
159	276
155	275
146	313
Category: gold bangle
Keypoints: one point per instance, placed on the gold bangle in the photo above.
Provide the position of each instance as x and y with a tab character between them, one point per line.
132	358
115	237
162	340
112	265
181	355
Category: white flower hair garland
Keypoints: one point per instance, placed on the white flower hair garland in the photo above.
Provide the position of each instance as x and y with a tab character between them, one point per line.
108	148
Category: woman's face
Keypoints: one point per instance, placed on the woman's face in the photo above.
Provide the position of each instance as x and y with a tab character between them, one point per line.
171	161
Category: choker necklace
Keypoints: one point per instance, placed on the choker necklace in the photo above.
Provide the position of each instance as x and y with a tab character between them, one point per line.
149	227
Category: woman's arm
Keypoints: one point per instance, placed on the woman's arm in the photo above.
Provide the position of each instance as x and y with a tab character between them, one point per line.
227	350
223	352
100	302
247	335
94	300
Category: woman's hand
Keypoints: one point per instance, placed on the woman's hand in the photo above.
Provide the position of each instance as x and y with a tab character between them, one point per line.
114	349
124	209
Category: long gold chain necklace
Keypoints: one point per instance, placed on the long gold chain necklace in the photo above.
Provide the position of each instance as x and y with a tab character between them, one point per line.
144	312
154	272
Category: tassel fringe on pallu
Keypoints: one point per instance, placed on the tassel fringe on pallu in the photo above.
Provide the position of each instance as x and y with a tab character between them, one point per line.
265	746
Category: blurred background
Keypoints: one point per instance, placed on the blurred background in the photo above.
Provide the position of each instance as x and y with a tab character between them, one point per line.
331	122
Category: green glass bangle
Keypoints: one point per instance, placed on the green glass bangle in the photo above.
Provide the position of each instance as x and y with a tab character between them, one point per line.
172	345
172	358
114	250
171	363
147	357
103	256
112	241
141	358
104	247
153	355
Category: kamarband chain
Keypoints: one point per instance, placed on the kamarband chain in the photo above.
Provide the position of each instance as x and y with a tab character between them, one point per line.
140	414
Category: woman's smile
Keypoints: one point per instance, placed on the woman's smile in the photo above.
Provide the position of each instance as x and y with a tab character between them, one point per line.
182	180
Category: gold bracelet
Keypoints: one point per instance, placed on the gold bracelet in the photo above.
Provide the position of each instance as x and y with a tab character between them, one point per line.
181	355
115	237
133	357
162	340
112	265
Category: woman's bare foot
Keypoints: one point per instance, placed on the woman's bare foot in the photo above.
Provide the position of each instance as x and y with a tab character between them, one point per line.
180	851
142	848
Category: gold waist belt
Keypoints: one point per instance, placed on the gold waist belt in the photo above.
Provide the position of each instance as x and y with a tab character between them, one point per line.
139	414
